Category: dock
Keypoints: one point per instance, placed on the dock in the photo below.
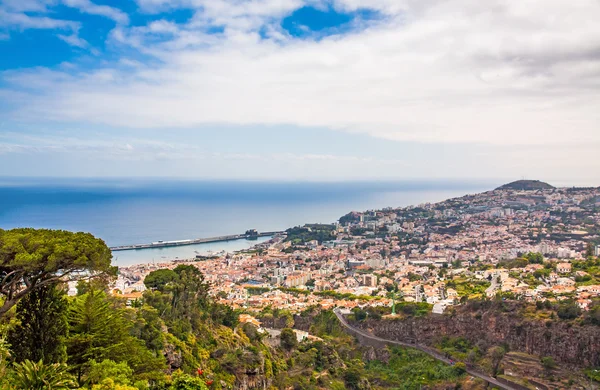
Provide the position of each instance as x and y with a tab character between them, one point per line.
166	244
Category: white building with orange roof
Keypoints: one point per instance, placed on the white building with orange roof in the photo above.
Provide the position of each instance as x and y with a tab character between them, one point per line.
563	268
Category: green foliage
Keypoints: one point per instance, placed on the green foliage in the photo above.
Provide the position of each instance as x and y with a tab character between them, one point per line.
468	288
460	368
31	258
183	300
353	380
515	263
4	352
593	315
349	296
251	332
39	376
534	258
109	384
548	363
161	279
288	339
119	373
593	374
42	327
495	355
100	331
359	314
301	235
409	368
183	381
416	309
224	315
148	328
456	347
326	325
568	311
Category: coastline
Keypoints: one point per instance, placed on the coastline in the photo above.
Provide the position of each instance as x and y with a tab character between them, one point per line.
188	253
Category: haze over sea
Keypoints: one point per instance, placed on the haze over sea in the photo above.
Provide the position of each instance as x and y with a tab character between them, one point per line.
138	211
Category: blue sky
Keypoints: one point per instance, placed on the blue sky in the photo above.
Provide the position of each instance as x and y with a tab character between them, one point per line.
300	89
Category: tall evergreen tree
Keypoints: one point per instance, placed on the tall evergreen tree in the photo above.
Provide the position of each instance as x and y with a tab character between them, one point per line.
99	330
42	327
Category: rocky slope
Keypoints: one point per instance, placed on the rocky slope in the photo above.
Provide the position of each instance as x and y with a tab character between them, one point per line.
568	343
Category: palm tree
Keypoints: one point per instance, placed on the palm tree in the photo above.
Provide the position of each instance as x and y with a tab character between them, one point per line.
40	376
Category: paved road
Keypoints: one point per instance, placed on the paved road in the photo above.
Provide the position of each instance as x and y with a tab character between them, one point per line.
431	352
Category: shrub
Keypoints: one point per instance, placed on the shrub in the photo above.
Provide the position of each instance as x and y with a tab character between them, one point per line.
568	311
288	339
39	376
548	362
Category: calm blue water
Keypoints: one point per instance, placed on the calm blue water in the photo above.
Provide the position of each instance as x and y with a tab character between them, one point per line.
140	211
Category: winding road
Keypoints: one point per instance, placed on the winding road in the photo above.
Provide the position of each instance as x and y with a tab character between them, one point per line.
431	352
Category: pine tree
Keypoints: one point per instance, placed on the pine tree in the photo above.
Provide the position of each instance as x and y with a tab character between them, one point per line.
42	327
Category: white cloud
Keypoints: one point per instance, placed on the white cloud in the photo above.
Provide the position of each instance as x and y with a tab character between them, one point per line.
40	14
74	40
465	71
24	21
86	6
28	5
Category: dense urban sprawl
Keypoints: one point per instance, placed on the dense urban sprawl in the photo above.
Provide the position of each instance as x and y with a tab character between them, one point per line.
534	245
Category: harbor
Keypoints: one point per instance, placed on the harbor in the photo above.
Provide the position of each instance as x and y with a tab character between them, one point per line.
249	235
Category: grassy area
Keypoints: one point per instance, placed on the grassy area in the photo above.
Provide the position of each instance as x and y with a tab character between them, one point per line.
409	369
468	287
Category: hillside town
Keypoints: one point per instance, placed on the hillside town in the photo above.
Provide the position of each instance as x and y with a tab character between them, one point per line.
529	244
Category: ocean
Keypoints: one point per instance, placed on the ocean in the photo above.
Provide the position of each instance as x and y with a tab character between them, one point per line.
135	211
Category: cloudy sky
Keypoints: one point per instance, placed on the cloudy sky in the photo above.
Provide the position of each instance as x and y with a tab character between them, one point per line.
301	89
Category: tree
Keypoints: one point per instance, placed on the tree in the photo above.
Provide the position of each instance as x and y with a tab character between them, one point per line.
534	257
288	339
189	298
548	363
100	331
40	376
496	355
589	250
186	382
119	373
4	353
109	384
148	327
568	311
460	368
359	314
31	259
42	327
160	279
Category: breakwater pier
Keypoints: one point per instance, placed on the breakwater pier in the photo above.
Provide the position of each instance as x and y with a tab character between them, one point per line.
166	244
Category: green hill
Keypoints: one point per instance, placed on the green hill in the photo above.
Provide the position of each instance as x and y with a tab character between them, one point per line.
526	185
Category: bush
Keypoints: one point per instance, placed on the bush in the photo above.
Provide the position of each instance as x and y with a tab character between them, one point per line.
548	362
288	339
187	382
119	373
40	376
460	368
568	311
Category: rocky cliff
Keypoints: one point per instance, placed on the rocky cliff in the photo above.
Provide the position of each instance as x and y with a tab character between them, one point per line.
567	342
